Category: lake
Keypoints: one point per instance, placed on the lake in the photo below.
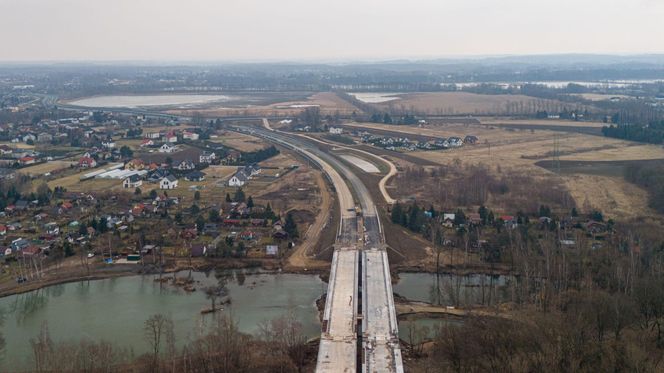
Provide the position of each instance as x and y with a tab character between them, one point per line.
115	309
129	101
452	290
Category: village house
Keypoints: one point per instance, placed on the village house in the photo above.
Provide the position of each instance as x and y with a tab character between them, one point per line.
336	130
195	176
147	142
108	144
189	135
152	135
133	181
170	137
24	161
472	140
29	137
167	148
186	165
169	182
238	180
207	157
5	150
44	137
87	162
135	165
448	220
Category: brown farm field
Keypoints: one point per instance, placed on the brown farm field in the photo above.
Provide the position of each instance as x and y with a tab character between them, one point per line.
240	141
519	151
457	103
43	168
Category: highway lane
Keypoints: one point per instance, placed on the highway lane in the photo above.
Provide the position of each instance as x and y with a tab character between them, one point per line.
379	335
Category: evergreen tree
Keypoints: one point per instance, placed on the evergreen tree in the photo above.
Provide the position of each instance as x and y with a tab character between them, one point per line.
250	202
484	214
397	211
239	195
290	227
228	198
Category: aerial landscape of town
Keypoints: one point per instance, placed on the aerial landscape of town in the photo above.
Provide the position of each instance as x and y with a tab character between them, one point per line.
264	212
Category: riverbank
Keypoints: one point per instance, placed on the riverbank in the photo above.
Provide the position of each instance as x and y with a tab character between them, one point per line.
73	271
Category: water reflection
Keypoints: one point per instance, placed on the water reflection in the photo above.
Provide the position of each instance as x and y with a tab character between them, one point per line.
115	309
453	290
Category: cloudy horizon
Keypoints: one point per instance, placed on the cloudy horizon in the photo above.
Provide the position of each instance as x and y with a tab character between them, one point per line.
305	30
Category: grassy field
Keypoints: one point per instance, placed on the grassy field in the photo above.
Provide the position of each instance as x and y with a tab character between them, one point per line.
43	168
520	150
456	103
17	145
240	141
540	122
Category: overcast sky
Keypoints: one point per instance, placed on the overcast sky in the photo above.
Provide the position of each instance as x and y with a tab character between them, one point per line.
225	30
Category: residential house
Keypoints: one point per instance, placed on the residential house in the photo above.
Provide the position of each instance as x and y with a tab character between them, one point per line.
448	220
156	175
108	144
152	135
3	230
147	142
251	170
6	150
238	180
455	142
24	161
195	176
29	137
272	250
167	148
44	137
247	235
336	130
189	135
132	182
510	221
169	182
207	157
186	165
87	162
470	140
135	165
170	137
52	228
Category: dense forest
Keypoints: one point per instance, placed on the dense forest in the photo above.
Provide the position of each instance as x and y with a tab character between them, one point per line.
652	133
650	177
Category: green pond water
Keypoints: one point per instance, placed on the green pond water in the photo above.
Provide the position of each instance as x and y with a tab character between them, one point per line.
114	310
451	290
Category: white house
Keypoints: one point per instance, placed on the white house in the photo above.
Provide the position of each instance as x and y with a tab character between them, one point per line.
167	148
110	144
147	142
169	182
29	137
336	130
238	180
207	157
133	181
185	165
152	135
188	135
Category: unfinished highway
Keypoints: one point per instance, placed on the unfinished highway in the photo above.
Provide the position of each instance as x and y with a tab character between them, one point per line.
359	329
